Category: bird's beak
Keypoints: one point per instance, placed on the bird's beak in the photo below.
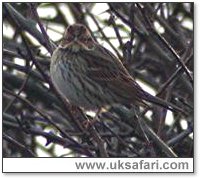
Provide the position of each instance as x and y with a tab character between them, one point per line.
76	38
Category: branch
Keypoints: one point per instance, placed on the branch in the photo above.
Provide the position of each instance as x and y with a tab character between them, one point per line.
28	25
46	37
18	145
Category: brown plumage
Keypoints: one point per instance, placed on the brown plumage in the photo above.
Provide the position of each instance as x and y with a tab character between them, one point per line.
90	76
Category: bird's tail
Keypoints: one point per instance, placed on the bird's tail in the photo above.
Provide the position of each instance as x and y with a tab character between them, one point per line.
160	102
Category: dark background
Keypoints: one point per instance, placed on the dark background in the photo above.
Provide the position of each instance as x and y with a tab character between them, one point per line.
159	57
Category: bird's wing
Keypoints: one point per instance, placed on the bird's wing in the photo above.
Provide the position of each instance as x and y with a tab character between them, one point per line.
106	69
103	65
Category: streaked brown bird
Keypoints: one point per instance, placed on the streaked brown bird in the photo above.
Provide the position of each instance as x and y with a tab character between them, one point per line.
91	77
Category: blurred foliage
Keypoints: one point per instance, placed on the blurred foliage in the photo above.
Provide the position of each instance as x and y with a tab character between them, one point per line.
155	43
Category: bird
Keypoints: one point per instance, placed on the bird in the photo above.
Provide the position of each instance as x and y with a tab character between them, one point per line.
92	77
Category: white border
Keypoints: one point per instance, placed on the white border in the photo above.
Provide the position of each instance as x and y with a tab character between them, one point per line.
197	116
110	165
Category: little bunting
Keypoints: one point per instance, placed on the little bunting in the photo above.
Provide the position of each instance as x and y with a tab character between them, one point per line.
91	77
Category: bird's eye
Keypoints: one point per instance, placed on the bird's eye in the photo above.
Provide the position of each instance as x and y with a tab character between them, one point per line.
83	29
70	29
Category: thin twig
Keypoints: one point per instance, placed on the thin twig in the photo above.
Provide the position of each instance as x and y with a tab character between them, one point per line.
26	24
42	113
18	145
104	35
46	37
20	90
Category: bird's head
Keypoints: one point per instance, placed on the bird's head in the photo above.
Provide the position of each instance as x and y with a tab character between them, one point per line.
77	37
